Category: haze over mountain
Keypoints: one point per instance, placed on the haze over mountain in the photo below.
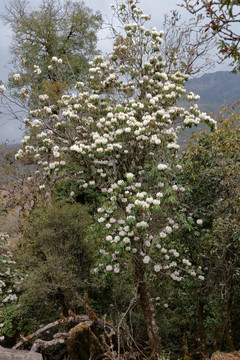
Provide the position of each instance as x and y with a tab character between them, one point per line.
215	89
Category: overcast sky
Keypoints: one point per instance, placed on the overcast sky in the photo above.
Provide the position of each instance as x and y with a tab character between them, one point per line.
9	129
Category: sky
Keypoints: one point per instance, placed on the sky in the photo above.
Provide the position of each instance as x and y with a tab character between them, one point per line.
9	128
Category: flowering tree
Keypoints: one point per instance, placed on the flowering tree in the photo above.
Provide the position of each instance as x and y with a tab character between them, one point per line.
117	134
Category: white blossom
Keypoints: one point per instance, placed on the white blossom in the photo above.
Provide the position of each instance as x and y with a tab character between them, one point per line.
16	77
162	166
157	268
146	259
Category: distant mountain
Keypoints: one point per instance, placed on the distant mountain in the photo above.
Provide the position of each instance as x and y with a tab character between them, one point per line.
214	89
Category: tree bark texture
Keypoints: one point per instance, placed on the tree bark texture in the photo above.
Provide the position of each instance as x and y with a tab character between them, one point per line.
147	309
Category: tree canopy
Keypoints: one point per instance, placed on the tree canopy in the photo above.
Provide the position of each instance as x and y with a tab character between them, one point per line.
57	31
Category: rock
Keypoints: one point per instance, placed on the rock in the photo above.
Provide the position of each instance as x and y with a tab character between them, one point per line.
218	355
11	354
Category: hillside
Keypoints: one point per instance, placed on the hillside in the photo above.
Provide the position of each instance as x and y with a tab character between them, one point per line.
216	88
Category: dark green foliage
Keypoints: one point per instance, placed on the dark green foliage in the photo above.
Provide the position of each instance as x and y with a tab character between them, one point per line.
56	259
211	170
68	190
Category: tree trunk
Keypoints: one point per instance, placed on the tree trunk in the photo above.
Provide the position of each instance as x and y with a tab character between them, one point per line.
225	310
202	331
221	331
147	309
185	350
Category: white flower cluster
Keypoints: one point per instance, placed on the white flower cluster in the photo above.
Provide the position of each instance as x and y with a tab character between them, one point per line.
37	70
16	77
2	89
6	273
56	60
8	277
43	97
